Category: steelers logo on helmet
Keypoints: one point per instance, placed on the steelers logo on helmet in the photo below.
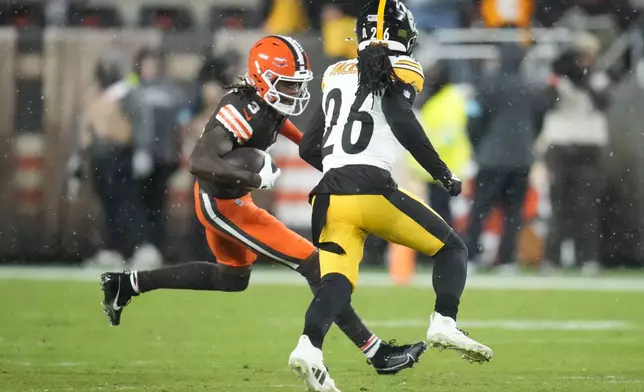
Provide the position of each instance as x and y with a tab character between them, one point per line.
387	22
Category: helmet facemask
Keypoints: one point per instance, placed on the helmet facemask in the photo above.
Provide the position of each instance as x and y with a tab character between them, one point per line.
288	94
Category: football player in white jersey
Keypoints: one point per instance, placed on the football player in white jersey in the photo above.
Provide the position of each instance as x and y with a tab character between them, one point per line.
365	119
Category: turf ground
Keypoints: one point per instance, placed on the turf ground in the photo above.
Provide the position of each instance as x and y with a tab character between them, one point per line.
576	337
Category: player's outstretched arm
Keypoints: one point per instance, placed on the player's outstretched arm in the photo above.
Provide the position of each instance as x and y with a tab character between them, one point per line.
206	162
311	144
291	132
397	108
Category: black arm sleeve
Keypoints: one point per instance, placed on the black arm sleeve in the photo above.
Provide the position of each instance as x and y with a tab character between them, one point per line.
397	108
311	144
206	162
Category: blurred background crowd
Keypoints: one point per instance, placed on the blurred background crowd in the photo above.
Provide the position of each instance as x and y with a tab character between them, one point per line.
536	104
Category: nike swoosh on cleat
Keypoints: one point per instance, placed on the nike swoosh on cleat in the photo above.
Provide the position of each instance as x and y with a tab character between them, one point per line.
114	304
409	359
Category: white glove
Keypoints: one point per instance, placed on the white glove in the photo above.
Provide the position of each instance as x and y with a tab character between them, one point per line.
74	174
142	164
267	174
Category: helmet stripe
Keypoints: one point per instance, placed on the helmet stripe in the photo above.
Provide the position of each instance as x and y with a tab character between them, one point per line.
296	50
380	22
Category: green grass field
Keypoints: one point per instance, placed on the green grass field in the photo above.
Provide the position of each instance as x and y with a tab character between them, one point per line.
54	337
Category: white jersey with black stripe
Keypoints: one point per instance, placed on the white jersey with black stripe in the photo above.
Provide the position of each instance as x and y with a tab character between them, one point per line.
356	130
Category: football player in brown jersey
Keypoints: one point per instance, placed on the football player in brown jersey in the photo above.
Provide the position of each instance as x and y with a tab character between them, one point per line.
252	114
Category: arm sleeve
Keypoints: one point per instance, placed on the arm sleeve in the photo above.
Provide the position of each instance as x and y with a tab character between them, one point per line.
311	145
397	108
290	131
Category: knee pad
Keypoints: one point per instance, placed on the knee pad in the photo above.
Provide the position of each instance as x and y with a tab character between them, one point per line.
232	279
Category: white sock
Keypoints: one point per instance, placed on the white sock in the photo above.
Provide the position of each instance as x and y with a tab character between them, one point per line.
134	281
370	348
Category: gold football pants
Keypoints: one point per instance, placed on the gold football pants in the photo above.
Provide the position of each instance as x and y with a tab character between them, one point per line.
400	217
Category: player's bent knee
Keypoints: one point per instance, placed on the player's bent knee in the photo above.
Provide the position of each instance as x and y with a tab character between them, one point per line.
352	279
454	241
310	270
345	265
339	284
454	249
232	279
310	267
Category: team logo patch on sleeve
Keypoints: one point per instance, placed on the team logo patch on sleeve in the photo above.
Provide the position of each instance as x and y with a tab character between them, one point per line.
235	123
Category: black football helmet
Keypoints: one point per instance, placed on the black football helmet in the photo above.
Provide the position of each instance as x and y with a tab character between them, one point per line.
387	22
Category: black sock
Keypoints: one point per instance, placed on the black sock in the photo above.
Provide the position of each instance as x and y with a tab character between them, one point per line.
449	275
348	320
195	276
333	296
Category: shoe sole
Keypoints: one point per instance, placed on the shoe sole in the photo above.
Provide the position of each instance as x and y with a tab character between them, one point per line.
472	355
301	371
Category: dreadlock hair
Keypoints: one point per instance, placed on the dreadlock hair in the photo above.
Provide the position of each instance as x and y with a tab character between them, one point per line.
375	72
243	87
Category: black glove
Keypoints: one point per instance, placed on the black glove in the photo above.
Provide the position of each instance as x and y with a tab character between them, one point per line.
452	184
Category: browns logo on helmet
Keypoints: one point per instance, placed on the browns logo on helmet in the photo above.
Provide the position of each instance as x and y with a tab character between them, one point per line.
279	69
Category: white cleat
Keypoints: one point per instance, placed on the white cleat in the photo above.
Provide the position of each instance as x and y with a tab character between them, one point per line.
445	335
307	363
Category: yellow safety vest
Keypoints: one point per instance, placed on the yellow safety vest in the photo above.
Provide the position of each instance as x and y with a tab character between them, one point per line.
286	17
444	118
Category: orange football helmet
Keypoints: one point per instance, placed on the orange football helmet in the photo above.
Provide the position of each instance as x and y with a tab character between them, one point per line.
279	69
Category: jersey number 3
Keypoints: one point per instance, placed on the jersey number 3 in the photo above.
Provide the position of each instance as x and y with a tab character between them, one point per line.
365	119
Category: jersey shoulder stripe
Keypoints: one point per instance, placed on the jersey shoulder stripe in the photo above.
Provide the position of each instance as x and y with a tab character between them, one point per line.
235	122
410	72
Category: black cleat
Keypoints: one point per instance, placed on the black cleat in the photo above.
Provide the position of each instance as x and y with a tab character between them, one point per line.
391	358
118	292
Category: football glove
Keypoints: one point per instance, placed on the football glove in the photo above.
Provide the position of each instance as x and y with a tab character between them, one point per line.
267	174
453	185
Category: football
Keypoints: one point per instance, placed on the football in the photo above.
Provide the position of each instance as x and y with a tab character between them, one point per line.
247	158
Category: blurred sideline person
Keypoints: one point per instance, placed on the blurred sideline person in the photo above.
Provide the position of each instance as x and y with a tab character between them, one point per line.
252	114
106	137
576	135
337	20
285	17
511	111
154	106
368	104
439	14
